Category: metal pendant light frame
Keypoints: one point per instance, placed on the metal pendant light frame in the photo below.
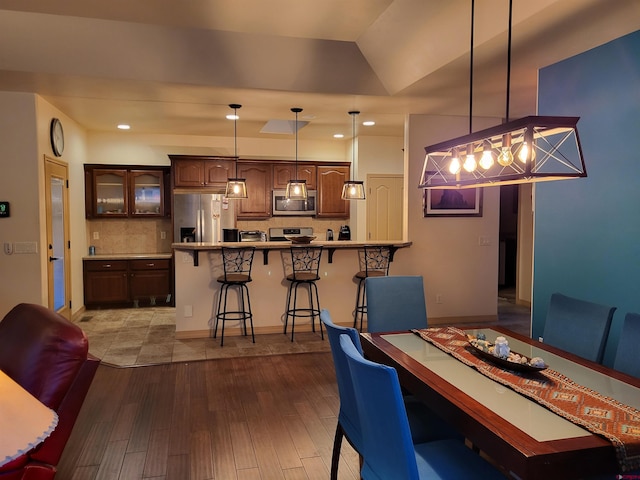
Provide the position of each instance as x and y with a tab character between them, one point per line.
236	187
296	188
353	189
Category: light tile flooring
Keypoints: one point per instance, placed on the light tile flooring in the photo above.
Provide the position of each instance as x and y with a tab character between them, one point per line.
146	336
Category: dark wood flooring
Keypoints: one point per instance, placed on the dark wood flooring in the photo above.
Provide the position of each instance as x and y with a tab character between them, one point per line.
240	418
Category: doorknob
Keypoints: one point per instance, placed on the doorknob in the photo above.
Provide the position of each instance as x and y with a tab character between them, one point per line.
52	259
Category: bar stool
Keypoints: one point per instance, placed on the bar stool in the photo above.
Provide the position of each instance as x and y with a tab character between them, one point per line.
237	263
374	262
305	264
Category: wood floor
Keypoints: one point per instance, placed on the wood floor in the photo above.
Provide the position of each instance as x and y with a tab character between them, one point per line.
240	418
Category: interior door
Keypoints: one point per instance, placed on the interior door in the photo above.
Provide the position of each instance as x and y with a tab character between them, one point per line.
384	207
58	245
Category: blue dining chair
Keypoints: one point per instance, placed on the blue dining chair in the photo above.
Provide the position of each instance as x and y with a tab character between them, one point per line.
395	303
578	326
425	425
626	359
388	451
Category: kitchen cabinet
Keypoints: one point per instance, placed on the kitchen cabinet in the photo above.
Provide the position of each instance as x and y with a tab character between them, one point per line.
105	282
283	172
258	177
331	178
126	191
196	171
128	283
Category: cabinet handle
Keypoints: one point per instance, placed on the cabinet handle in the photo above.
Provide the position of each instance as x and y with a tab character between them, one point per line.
106	265
151	264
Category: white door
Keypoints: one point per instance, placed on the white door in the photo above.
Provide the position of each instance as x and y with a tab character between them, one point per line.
58	254
384	207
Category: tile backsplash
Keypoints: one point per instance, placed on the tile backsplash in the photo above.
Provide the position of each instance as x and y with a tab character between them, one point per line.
319	226
130	235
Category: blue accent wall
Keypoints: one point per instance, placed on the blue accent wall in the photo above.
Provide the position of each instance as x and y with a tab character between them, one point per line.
587	231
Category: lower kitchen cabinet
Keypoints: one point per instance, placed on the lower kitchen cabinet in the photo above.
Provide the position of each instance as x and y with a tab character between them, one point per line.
128	283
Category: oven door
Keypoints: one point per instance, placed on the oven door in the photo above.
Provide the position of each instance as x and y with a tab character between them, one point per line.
284	206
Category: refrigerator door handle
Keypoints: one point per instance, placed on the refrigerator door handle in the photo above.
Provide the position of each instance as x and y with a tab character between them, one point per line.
199	218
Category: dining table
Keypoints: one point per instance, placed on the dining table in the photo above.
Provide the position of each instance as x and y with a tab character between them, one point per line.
559	421
24	421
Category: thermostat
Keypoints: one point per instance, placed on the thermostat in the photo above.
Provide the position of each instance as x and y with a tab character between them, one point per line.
4	209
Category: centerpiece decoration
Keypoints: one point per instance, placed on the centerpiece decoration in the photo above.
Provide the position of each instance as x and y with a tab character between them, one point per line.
500	353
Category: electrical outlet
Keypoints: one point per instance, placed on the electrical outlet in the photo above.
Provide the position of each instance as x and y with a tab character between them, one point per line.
8	248
163	235
484	241
188	311
438	298
96	235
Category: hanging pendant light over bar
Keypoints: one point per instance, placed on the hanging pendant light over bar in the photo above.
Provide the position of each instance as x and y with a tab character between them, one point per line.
236	187
352	189
530	149
296	188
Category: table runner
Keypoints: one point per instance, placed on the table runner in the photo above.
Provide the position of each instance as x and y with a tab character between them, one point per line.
599	414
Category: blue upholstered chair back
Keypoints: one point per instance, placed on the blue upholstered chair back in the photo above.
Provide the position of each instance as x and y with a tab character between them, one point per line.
348	416
578	326
395	303
388	449
627	353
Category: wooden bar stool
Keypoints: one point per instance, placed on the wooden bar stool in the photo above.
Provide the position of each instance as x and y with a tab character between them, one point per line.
374	262
305	264
237	263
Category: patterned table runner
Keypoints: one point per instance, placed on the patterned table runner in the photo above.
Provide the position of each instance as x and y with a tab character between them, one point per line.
585	407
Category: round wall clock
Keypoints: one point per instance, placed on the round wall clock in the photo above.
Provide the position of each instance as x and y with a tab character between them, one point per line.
57	137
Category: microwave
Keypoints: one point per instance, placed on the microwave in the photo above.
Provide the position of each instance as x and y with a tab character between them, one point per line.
284	206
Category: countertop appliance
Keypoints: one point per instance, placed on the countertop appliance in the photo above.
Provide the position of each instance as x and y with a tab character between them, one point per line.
283	206
201	217
344	233
278	234
253	236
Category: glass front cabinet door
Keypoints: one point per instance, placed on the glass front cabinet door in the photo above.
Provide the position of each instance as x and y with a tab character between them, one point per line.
110	188
147	193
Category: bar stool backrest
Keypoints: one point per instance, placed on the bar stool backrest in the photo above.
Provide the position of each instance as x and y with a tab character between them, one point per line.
305	262
374	260
237	262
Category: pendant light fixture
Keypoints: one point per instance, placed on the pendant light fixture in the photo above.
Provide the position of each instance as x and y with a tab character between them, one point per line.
352	189
527	150
296	188
236	187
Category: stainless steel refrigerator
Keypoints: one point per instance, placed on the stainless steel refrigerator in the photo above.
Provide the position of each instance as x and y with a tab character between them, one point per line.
200	217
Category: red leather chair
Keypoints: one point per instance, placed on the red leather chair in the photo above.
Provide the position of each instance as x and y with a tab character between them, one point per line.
49	357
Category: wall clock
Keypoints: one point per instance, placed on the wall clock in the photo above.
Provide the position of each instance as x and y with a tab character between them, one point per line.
57	137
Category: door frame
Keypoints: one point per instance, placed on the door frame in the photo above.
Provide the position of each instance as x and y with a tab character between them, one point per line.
58	168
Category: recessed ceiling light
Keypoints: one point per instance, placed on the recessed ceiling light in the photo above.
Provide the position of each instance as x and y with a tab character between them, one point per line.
338	135
124	126
368	123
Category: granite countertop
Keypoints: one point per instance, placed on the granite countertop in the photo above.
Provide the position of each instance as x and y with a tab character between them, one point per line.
127	256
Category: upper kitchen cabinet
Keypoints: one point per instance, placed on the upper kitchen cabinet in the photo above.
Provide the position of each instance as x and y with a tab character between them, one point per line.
202	172
118	191
283	172
330	181
258	178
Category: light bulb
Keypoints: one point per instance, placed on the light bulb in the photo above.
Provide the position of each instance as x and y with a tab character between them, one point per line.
524	153
296	190
352	191
454	166
486	161
236	188
470	163
505	158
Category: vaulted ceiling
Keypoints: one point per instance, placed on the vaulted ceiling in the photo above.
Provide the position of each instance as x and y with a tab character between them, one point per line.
172	67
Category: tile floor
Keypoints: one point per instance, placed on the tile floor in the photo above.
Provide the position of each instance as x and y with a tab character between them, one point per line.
146	336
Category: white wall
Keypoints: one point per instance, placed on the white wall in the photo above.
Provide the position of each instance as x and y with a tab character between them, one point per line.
446	251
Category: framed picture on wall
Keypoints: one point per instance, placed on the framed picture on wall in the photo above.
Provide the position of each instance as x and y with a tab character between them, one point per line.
453	202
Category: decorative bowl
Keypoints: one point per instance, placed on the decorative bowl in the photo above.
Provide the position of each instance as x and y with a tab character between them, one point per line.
300	238
526	366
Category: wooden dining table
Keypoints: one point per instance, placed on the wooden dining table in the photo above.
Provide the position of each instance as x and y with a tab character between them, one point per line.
526	439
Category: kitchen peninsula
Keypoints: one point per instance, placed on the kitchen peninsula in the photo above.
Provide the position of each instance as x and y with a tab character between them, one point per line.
198	265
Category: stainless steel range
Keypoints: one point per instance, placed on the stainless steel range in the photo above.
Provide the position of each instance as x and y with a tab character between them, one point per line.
278	234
